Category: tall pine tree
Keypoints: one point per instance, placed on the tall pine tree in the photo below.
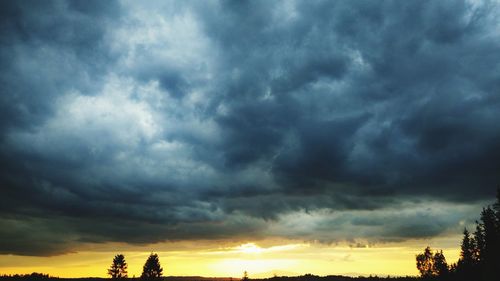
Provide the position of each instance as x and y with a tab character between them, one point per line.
468	249
489	253
118	268
152	268
467	262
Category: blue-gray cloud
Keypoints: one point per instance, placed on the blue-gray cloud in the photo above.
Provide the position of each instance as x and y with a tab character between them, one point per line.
140	123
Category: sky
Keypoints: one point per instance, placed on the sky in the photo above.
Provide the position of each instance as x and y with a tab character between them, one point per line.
277	137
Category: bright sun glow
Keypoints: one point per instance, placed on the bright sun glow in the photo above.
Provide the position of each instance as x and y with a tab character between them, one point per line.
249	248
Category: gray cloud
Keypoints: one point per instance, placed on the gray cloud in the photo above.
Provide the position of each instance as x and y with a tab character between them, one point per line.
226	120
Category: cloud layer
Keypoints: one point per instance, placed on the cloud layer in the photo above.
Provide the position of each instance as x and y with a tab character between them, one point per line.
141	123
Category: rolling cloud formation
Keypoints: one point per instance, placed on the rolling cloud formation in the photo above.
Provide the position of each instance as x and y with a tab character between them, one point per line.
325	121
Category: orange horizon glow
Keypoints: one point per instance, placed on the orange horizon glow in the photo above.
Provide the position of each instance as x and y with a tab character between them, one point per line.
259	259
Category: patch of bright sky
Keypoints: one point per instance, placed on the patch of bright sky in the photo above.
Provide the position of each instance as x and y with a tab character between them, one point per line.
211	258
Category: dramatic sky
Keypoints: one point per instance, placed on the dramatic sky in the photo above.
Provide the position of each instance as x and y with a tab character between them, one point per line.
297	136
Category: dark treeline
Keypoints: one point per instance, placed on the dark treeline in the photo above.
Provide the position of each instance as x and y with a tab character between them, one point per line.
307	277
32	276
311	277
479	255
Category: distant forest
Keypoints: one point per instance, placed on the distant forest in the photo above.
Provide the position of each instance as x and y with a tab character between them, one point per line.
479	261
307	277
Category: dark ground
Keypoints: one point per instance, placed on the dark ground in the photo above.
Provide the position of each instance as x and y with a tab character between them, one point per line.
306	277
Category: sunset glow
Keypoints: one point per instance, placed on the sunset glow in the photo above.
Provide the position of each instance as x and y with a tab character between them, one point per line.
279	259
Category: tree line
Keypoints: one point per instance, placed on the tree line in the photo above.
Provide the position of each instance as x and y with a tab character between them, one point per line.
479	254
151	269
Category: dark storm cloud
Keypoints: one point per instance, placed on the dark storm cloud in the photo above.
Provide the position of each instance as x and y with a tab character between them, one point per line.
412	70
228	120
47	47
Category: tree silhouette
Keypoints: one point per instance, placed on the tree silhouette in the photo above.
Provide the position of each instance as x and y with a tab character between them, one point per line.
487	236
118	268
480	253
479	256
152	268
496	246
439	265
425	262
245	276
431	265
466	265
480	244
468	250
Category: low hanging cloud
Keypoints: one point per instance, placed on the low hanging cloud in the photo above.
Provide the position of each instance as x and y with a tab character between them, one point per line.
124	122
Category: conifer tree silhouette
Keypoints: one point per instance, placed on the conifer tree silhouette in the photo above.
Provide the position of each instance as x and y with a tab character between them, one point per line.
118	268
152	268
